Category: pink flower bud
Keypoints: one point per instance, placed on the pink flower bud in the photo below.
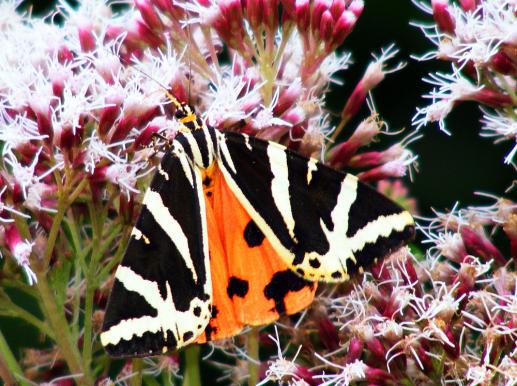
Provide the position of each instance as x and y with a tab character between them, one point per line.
306	375
355	350
378	376
287	98
64	55
86	38
425	362
491	97
318	8
270	16
326	26
147	35
295	116
355	101
337	8
344	25
254	11
374	158
502	63
479	245
111	111
167	7
58	84
20	250
231	13
144	138
468	5
442	16
340	155
44	124
453	352
391	169
289	8
303	17
328	334
376	348
149	15
356	7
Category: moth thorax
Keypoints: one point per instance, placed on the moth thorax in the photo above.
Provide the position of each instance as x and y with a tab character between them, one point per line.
198	145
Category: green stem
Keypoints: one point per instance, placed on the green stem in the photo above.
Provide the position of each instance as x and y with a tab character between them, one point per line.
192	376
252	347
97	220
11	363
54	230
59	324
138	365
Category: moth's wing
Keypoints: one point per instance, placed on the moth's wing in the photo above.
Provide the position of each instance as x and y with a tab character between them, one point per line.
323	223
251	284
161	297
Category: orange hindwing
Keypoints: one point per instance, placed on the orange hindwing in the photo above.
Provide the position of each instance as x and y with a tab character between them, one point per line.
251	284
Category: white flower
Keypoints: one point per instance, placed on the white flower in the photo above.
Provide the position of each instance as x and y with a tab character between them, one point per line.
355	371
230	100
280	369
25	175
501	125
7	208
126	174
332	64
96	149
479	375
264	118
21	252
18	131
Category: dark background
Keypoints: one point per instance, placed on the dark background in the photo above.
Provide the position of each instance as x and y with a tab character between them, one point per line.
452	168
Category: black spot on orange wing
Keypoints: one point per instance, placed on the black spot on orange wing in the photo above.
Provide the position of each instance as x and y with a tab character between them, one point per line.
253	235
210	330
281	284
237	287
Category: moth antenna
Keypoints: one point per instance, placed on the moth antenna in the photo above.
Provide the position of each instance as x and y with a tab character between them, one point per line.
189	61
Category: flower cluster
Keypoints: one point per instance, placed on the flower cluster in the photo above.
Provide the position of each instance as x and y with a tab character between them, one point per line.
447	317
478	38
81	102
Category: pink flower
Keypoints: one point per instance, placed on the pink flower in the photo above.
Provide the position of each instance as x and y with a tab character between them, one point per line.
21	250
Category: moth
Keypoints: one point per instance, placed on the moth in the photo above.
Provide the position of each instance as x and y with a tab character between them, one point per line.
236	231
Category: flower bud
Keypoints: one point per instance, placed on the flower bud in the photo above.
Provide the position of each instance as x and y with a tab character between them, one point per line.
344	25
328	334
356	7
303	17
479	245
318	8
337	8
86	38
502	63
149	15
288	97
442	16
254	12
468	5
355	350
326	26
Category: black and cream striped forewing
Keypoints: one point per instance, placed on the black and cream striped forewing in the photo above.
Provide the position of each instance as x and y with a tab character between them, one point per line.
324	224
162	292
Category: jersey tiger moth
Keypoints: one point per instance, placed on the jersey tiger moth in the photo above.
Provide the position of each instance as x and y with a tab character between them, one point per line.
235	231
